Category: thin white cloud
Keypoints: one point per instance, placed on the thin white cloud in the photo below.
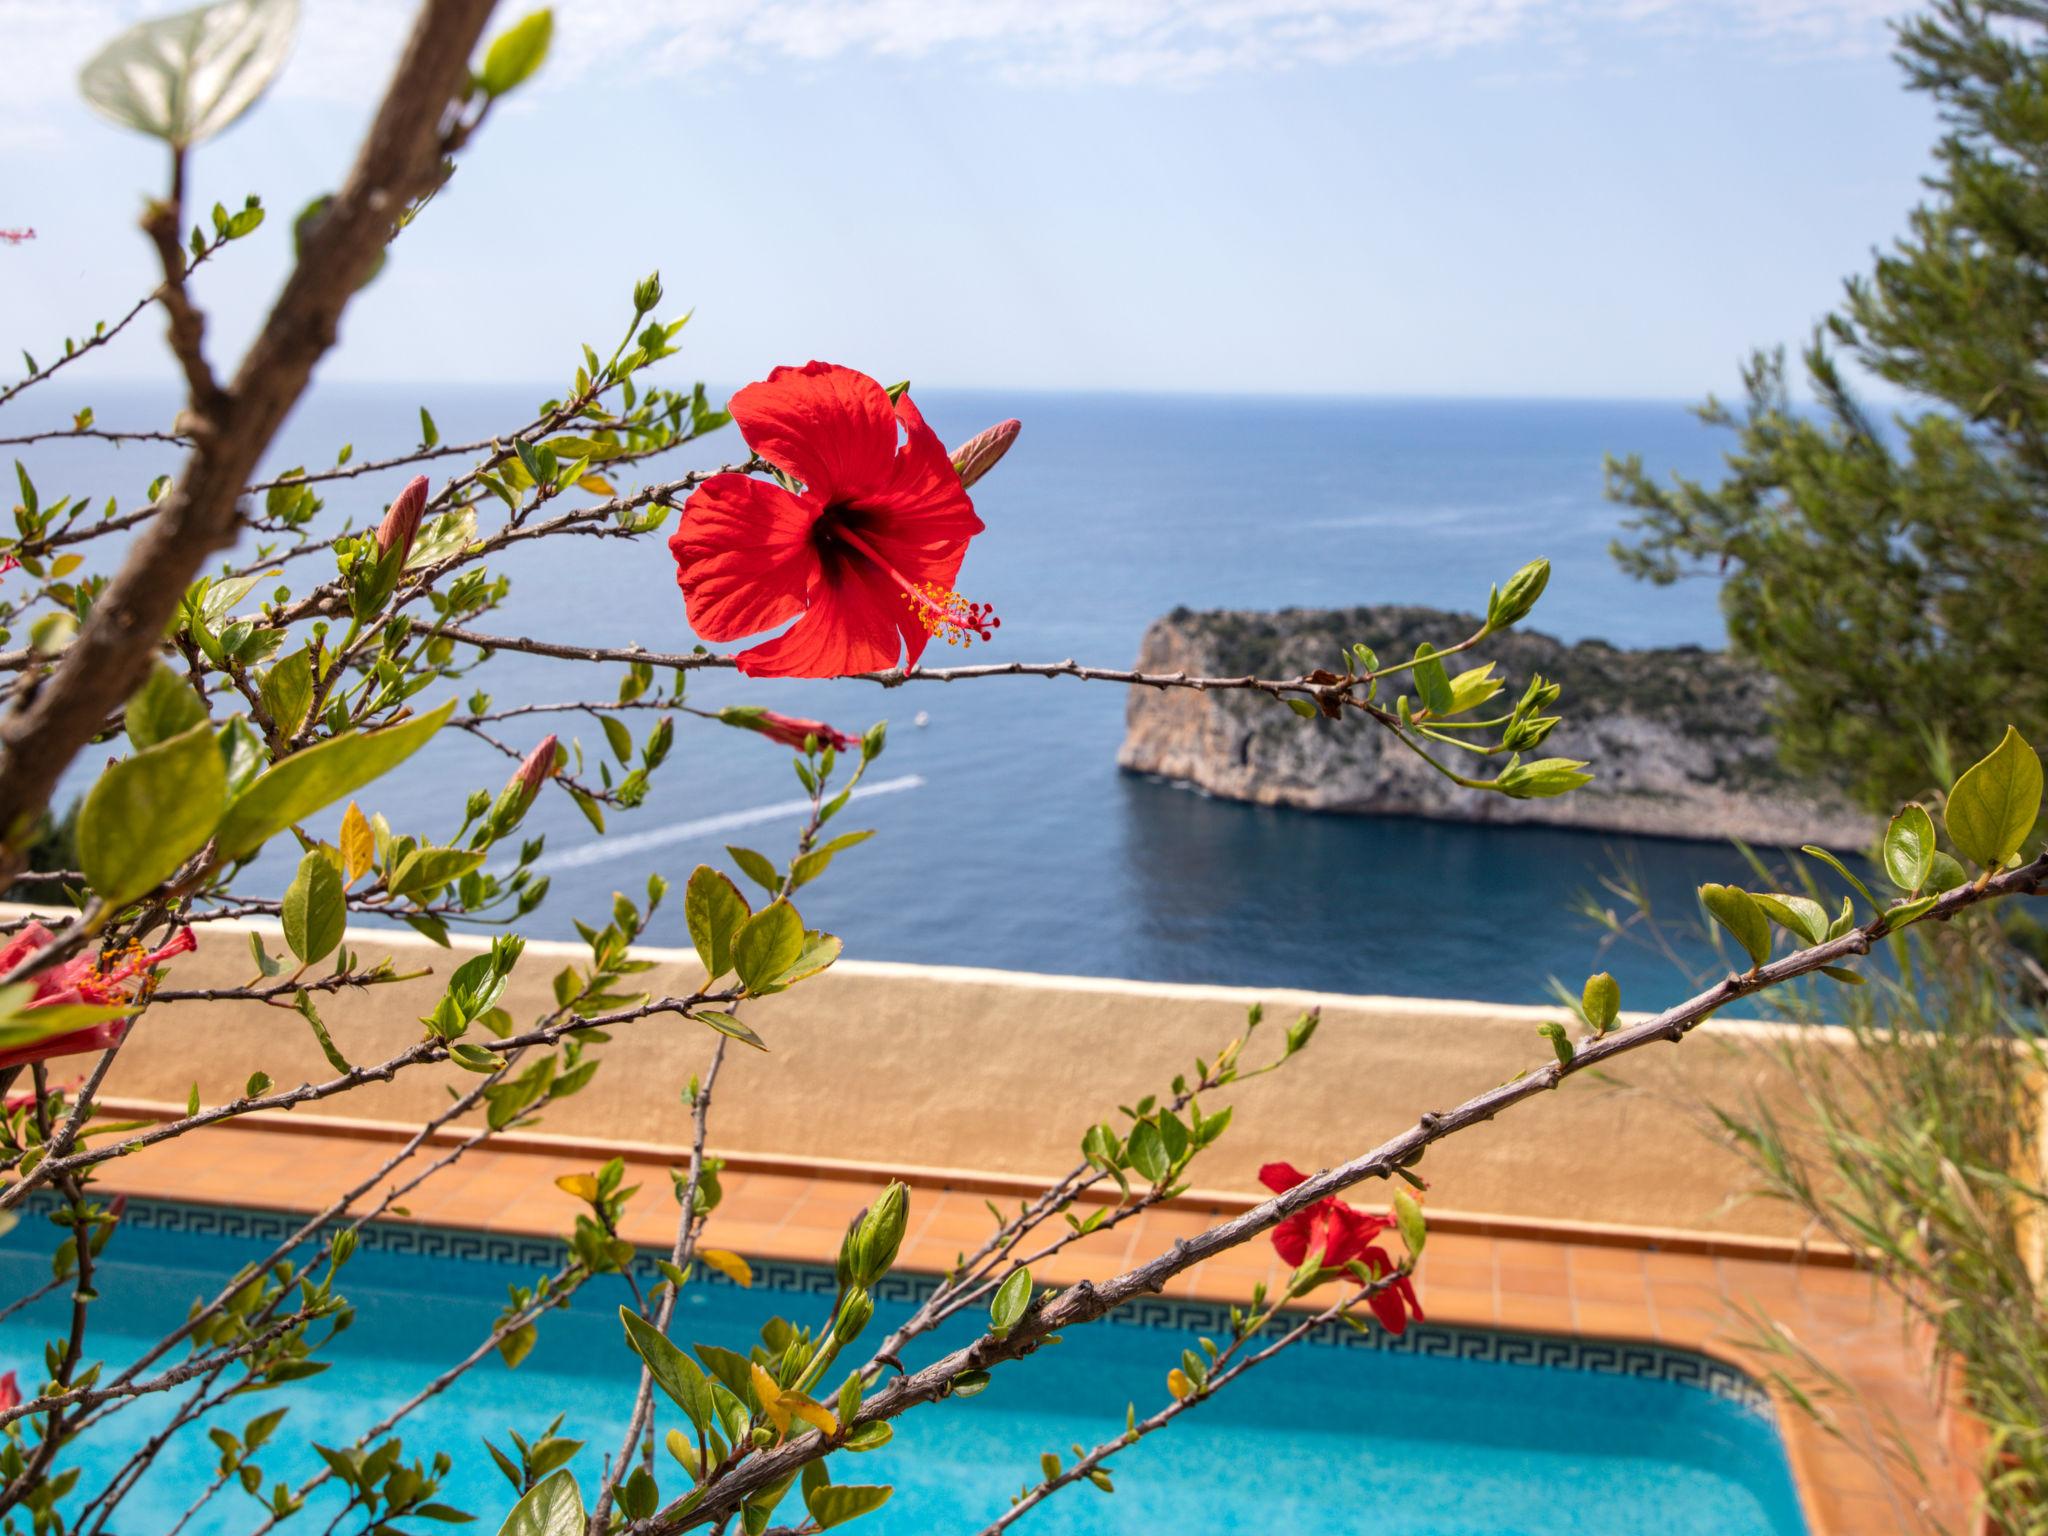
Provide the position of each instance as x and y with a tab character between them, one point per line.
347	44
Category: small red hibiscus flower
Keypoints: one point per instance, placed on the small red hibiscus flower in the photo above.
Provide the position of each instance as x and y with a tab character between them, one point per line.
82	979
1342	1233
864	557
10	1392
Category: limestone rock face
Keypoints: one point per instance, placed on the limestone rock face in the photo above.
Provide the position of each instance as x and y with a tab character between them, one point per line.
1678	738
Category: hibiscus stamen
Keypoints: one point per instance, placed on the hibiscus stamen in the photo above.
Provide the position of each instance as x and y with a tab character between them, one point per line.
943	612
948	616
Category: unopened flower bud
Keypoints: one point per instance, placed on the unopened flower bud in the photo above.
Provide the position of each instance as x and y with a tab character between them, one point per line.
519	791
1542	779
647	293
979	454
402	522
790	730
854	1314
1511	604
537	769
879	1233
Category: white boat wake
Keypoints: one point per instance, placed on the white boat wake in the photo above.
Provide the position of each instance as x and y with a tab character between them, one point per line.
704	826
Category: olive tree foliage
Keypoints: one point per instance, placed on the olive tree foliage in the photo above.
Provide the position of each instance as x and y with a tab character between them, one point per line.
252	658
1892	574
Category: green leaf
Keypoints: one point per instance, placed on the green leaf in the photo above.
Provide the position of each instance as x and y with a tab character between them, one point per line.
1408	1217
185	77
554	1507
1012	1299
1560	1040
1909	848
1301	707
1432	683
1908	911
767	945
1738	912
151	812
1995	803
618	737
813	864
1601	1000
516	53
426	869
429	433
840	1502
1946	874
304	1003
315	910
1841	869
670	1369
714	909
1801	916
1148	1152
818	953
757	869
163	707
288	692
306	781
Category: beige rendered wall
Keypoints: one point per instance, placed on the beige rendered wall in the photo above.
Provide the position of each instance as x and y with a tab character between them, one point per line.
1000	1072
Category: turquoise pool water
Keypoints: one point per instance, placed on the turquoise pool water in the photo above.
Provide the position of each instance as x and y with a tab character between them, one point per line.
1446	1433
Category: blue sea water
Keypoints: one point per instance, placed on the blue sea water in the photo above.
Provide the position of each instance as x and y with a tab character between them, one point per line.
1010	838
1340	1442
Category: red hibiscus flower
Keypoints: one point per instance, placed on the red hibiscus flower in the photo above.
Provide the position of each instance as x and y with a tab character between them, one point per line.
82	979
863	557
1342	1233
10	1392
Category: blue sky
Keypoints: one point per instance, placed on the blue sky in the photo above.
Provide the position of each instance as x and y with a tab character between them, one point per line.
1520	197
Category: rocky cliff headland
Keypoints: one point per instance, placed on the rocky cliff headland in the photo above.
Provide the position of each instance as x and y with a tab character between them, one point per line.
1678	738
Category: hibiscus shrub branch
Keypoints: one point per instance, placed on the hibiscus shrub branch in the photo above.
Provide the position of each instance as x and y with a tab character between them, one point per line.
269	695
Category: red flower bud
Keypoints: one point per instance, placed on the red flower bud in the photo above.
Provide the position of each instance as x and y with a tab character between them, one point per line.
978	455
535	771
402	523
10	1392
791	731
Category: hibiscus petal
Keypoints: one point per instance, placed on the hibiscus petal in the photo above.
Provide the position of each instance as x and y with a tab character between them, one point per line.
22	945
1386	1306
831	427
852	625
743	556
923	503
77	1042
1280	1177
1292	1237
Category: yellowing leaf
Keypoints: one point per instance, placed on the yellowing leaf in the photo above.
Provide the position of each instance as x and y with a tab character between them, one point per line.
770	1394
815	1414
358	844
597	485
582	1185
728	1264
1177	1382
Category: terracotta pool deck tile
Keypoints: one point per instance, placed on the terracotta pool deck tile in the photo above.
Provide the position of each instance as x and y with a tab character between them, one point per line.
1524	1280
1536	1314
1606	1286
1451	1274
1612	1320
1589	1259
1524	1253
1454	1308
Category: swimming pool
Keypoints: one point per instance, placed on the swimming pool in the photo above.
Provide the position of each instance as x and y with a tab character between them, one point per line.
1445	1432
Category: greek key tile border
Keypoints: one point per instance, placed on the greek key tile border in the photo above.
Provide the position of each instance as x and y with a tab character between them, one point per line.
1654	1362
